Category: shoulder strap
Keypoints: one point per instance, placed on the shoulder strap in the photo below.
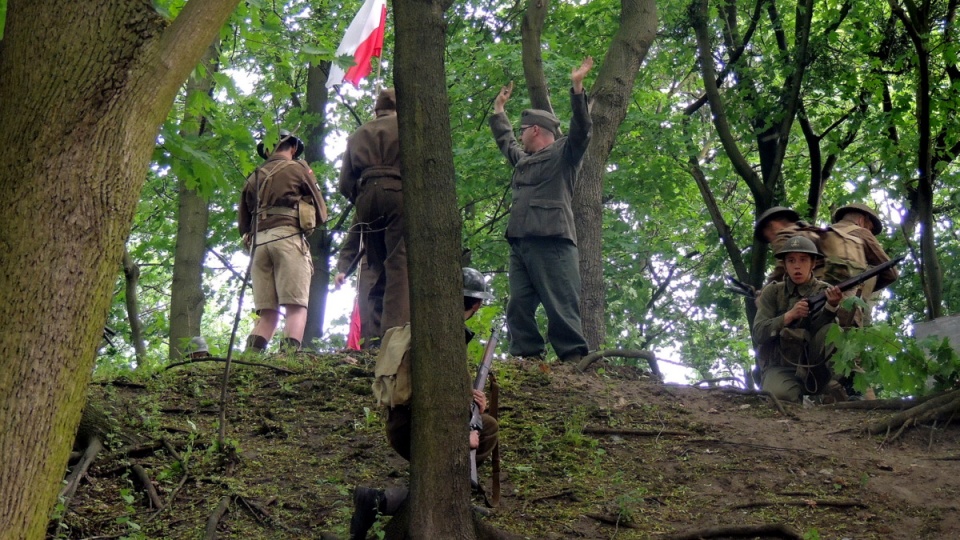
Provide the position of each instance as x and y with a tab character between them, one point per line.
263	184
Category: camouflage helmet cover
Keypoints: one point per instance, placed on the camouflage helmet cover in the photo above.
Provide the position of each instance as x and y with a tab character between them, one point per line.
777	212
799	244
876	226
474	285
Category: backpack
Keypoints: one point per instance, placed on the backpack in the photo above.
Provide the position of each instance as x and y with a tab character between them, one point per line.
392	384
844	253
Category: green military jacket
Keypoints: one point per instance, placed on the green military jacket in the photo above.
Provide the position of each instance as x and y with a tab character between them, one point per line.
775	301
543	182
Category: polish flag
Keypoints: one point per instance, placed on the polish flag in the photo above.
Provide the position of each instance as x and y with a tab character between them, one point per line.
363	40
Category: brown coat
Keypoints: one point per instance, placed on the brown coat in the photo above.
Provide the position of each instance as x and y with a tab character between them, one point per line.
373	150
292	181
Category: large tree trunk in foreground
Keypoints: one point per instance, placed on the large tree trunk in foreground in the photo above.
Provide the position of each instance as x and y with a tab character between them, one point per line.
84	87
439	501
610	98
193	220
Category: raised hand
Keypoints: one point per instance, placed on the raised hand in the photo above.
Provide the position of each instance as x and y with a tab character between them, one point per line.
577	75
502	98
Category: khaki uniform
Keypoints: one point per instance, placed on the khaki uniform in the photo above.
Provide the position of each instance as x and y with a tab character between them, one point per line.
793	361
370	178
282	265
544	261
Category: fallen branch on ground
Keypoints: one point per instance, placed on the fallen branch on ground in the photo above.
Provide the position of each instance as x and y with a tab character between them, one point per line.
243	362
807	502
214	520
737	531
635	432
622	353
612	520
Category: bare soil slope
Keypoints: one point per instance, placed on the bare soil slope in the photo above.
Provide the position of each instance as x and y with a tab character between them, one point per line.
606	454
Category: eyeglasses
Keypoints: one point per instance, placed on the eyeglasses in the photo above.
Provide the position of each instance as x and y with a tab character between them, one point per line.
521	129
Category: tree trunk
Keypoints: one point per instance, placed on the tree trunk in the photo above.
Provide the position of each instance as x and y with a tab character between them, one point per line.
193	218
610	98
320	241
531	29
439	501
131	273
84	87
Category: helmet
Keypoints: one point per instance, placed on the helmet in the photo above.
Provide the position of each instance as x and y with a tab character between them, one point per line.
877	226
474	286
284	135
799	244
777	212
197	344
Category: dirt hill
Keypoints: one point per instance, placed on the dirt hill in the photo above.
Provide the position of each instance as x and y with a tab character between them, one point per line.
606	454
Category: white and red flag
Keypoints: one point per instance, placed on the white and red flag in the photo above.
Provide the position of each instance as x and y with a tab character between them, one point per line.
363	41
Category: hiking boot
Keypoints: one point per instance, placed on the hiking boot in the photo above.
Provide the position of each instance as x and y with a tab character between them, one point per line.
571	358
367	503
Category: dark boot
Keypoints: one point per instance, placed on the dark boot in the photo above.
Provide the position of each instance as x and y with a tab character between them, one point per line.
367	504
256	344
289	345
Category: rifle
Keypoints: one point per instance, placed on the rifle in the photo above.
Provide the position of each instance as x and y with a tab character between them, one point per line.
741	288
819	300
476	421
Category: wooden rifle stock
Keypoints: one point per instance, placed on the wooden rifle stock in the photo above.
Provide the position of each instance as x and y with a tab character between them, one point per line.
476	421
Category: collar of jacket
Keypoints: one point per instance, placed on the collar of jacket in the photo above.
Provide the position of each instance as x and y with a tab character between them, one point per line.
807	289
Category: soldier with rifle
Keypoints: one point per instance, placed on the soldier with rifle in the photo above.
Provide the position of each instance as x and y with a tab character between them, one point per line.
792	320
484	429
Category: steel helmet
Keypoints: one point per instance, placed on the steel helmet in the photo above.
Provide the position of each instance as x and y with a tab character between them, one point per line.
799	244
284	136
474	286
197	344
777	212
877	226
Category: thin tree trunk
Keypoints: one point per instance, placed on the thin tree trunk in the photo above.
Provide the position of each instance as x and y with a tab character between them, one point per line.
320	240
439	474
610	97
131	273
193	219
90	84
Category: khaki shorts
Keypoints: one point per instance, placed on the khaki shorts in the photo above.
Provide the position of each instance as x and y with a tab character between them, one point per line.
282	268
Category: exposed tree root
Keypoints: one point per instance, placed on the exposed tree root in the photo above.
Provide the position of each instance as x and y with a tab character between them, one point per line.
738	531
941	407
622	353
232	361
94	446
214	519
635	432
882	404
713	382
143	480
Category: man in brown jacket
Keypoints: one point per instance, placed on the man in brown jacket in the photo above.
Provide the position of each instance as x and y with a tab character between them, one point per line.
269	220
544	260
370	178
371	307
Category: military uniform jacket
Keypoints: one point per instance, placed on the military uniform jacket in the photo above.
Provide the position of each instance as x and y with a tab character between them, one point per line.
543	182
291	181
777	299
373	151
